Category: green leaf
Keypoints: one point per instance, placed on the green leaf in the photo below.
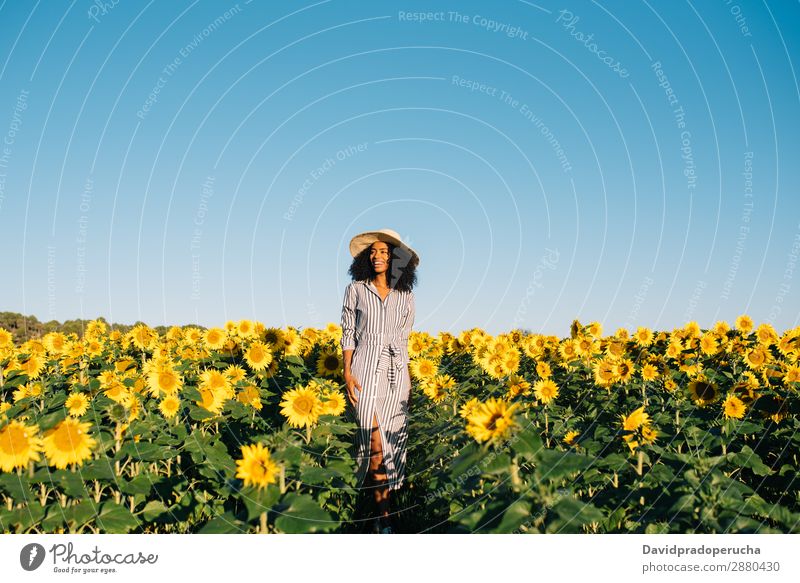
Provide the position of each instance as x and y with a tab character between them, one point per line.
98	469
467	460
81	513
54	518
145	451
258	500
71	483
554	465
141	484
301	514
154	510
527	443
114	518
225	524
747	458
17	487
515	515
219	459
577	512
315	475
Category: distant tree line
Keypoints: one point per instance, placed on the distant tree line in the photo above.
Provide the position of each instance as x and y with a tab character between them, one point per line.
28	327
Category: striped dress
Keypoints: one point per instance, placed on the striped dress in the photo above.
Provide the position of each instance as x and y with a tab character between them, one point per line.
377	331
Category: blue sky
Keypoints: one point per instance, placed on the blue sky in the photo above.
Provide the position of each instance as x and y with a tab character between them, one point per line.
633	163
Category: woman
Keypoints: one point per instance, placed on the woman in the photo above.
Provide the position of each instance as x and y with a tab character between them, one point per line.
377	315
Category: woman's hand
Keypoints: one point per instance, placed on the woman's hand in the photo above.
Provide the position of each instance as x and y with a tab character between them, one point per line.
350	384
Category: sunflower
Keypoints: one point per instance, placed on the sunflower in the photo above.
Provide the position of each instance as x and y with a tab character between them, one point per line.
649	434
437	387
721	327
733	407
258	355
517	385
615	348
744	324
164	380
543	370
491	420
245	329
33	366
604	372
235	373
586	345
423	368
766	334
756	357
216	381
214	338
468	407
68	443
623	370
142	337
630	440
169	406
703	391
118	392
6	339
751	380
649	372
210	399
643	336
595	329
77	404
333	402
674	349
256	467
19	444
291	342
569	438
545	390
708	344
670	385
301	407
568	350
249	395
55	342
635	420
329	364
692	329
94	348
792	374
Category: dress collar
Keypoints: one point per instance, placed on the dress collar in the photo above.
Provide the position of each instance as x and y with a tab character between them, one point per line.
371	286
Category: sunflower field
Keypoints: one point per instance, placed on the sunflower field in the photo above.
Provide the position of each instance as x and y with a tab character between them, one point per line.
246	429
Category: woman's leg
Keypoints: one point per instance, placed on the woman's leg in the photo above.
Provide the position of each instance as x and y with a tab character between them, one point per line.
377	470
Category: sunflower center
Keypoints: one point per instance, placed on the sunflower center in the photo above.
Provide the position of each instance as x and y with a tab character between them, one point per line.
706	391
303	405
166	379
14	441
493	421
67	437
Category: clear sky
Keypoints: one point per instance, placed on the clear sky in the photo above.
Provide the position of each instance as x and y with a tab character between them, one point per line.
634	163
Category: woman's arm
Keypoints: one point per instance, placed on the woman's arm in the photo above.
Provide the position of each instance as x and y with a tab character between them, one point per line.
348	342
407	326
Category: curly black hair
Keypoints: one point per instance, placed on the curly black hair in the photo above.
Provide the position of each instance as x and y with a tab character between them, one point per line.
402	272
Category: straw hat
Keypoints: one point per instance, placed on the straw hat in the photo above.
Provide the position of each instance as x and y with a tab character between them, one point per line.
364	240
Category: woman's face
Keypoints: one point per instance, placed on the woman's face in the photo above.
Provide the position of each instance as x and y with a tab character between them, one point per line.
379	256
